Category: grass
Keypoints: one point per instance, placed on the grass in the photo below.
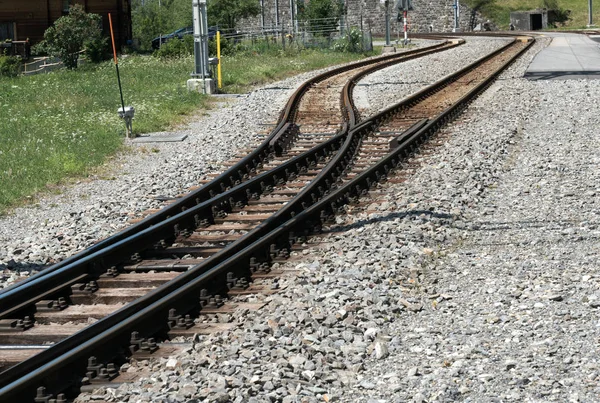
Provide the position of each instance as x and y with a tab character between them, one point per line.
246	70
64	124
500	12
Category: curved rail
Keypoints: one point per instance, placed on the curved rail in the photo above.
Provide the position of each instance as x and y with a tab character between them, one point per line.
307	213
279	139
19	301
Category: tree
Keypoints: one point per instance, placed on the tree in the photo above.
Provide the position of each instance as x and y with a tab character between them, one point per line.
151	19
66	38
225	13
322	15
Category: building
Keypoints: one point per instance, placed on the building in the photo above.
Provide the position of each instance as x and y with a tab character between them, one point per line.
28	19
529	20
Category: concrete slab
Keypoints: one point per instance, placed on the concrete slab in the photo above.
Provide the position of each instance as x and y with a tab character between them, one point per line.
568	56
163	137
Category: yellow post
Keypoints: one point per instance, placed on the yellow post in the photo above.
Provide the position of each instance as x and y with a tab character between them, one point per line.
219	57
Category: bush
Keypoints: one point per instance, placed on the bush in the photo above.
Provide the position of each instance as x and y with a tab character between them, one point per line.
65	39
96	49
10	66
176	48
351	42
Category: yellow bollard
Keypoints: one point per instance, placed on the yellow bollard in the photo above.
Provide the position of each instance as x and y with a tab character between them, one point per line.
219	57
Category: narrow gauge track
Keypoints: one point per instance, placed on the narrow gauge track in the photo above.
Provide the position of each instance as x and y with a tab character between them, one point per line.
61	366
49	310
276	148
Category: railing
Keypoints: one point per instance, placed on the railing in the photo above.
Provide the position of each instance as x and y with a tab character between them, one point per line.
46	65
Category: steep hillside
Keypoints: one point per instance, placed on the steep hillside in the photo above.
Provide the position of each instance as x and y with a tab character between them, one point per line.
500	12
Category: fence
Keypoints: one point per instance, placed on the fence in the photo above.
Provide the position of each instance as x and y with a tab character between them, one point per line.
322	33
46	65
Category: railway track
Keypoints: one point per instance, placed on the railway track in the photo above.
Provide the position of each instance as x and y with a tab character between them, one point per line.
49	306
275	149
367	154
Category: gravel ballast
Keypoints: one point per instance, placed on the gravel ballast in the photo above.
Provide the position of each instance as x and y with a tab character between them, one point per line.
473	280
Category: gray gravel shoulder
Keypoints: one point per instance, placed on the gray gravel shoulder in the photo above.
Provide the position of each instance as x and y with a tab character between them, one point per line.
474	280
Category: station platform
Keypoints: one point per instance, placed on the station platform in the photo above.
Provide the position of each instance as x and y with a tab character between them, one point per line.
569	56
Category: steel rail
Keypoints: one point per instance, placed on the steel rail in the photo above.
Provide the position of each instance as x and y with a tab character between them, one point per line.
144	318
19	301
236	174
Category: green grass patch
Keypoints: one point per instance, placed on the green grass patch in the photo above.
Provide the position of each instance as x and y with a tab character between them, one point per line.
500	12
64	124
243	71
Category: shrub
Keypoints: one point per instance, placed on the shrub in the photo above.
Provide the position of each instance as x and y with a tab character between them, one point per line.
96	49
65	39
10	66
176	48
351	42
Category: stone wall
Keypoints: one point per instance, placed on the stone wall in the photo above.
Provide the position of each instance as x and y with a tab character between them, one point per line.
435	15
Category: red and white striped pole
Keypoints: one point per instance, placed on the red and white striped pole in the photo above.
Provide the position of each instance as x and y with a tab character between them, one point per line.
405	27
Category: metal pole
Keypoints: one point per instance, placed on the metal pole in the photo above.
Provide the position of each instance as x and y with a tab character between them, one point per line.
277	15
387	23
342	19
455	16
219	81
293	17
160	27
591	23
262	15
112	38
200	42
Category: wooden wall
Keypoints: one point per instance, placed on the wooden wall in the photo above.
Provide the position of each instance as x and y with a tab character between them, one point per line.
33	17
